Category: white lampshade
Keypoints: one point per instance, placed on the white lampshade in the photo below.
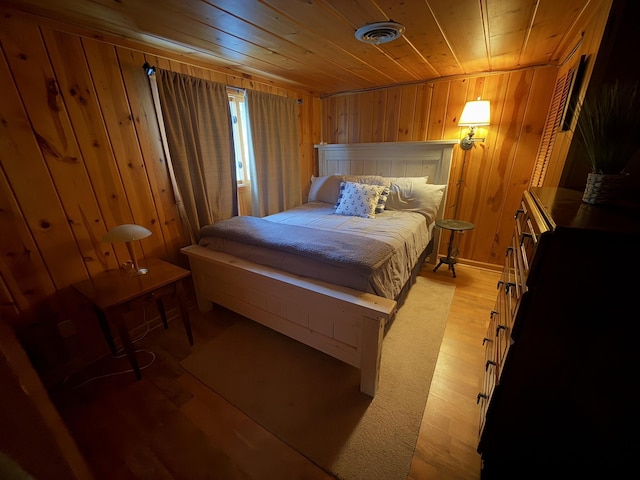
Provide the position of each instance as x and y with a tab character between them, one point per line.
126	232
475	113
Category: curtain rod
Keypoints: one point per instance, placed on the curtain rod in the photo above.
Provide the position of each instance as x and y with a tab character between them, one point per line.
151	70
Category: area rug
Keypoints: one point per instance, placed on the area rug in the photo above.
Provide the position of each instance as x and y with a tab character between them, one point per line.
312	402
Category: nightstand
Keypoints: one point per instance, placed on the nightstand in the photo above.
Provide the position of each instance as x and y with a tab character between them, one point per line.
113	294
452	250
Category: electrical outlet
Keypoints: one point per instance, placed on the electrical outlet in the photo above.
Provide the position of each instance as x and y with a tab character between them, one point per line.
66	329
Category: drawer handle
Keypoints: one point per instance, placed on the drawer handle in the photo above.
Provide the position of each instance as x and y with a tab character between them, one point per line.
508	251
518	213
489	362
485	340
524	236
500	327
480	396
509	286
500	283
493	312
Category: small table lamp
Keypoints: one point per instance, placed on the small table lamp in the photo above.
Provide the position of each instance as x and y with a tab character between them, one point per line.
128	233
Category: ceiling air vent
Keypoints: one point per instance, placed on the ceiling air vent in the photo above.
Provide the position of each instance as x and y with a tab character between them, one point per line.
380	32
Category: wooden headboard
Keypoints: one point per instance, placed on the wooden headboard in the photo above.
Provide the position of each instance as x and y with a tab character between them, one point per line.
392	159
389	159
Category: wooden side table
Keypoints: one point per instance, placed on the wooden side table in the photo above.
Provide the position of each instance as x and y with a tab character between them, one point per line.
452	250
113	294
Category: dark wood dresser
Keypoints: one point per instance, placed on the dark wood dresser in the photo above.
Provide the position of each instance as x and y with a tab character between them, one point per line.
561	390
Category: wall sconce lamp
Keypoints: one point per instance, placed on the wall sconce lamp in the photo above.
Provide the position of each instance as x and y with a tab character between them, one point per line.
128	233
475	113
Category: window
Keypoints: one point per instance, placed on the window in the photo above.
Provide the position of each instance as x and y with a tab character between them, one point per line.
240	135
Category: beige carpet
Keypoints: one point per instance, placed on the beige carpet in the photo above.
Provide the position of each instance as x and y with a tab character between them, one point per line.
312	401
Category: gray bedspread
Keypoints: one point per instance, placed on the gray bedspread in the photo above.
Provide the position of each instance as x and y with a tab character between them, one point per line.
337	248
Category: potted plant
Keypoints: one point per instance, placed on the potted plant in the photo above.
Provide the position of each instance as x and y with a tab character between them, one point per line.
608	119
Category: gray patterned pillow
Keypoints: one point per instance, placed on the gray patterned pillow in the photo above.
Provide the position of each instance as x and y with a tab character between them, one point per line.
382	201
359	199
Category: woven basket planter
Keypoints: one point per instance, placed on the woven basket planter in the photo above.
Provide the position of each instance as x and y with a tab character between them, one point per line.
605	189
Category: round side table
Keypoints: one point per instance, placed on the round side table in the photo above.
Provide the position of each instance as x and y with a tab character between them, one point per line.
452	250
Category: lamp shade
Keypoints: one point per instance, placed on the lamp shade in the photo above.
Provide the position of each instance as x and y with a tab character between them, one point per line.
475	113
126	232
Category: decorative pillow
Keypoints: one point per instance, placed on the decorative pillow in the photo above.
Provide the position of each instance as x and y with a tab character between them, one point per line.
382	201
425	199
359	199
384	194
369	180
325	189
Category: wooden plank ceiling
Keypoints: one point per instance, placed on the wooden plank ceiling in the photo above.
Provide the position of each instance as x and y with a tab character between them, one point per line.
310	44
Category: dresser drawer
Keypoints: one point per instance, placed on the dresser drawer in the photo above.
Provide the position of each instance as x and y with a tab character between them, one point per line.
519	271
514	282
489	378
502	331
529	228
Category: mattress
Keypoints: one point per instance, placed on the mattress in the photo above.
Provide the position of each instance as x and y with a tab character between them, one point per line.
407	233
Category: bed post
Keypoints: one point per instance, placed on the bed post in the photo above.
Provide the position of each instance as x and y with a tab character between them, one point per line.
372	335
204	304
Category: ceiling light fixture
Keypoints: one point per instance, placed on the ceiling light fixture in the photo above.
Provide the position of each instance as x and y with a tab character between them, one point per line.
379	32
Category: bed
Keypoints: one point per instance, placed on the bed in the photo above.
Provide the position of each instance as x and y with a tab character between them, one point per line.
336	301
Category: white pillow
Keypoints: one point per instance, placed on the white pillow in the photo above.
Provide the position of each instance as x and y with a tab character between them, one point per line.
403	187
407	180
421	198
325	189
382	201
359	199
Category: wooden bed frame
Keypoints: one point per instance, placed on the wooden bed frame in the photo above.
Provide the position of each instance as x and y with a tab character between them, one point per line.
344	323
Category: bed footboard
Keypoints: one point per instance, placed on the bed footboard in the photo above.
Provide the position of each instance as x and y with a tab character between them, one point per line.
341	322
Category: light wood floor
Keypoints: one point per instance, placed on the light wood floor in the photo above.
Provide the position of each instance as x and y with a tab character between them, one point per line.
169	426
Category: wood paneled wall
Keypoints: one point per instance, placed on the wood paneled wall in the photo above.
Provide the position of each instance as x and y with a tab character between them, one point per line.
496	172
604	45
80	152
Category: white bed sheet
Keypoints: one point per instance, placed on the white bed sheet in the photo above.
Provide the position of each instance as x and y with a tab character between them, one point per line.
406	232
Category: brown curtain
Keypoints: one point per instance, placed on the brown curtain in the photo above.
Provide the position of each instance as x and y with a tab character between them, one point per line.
199	139
274	153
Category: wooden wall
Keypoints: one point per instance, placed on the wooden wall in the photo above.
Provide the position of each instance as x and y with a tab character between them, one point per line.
589	46
607	61
80	152
496	172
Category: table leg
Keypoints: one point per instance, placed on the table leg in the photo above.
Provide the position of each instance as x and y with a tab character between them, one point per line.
163	314
452	240
126	342
184	313
106	331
